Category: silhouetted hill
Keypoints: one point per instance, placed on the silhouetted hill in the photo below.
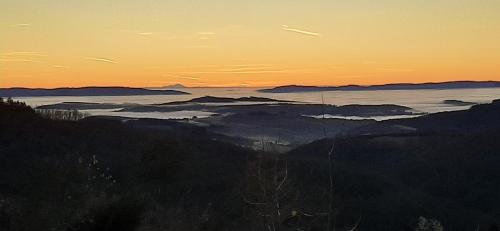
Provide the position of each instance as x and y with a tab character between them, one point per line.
84	91
388	180
174	86
454	102
395	86
213	99
82	106
278	108
482	117
97	172
443	166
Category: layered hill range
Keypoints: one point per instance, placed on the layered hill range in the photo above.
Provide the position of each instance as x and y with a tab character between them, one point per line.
84	91
395	86
257	120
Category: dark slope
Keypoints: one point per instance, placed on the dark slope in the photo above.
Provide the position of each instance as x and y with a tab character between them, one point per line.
395	86
446	169
67	175
392	180
481	117
84	91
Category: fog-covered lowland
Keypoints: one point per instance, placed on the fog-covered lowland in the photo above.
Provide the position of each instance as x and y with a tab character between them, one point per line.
61	170
254	119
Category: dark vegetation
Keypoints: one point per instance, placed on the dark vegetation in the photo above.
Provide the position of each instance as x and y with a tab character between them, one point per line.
390	180
105	174
98	174
70	115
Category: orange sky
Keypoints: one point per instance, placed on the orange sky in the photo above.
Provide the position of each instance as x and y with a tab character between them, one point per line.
152	43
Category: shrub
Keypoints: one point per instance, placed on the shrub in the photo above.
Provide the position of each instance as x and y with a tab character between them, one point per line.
118	215
425	224
71	115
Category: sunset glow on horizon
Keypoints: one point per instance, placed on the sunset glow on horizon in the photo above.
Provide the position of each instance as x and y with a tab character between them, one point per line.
152	43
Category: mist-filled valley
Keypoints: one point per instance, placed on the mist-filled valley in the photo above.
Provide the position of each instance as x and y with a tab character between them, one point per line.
65	171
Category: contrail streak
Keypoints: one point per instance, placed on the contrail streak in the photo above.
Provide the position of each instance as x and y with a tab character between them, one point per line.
287	28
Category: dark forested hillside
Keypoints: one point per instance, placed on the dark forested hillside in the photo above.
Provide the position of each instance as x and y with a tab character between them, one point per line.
86	175
479	118
104	174
389	180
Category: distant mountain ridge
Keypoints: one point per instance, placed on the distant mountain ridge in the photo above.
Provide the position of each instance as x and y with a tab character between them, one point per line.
393	86
84	91
174	86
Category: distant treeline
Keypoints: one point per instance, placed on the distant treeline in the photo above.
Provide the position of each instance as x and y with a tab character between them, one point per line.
53	114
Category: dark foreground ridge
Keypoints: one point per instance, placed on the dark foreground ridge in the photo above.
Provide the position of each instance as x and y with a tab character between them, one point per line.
100	174
395	86
84	91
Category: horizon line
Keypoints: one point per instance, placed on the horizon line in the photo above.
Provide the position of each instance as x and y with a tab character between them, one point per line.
239	86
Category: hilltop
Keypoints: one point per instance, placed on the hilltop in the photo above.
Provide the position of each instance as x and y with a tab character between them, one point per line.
394	86
84	91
